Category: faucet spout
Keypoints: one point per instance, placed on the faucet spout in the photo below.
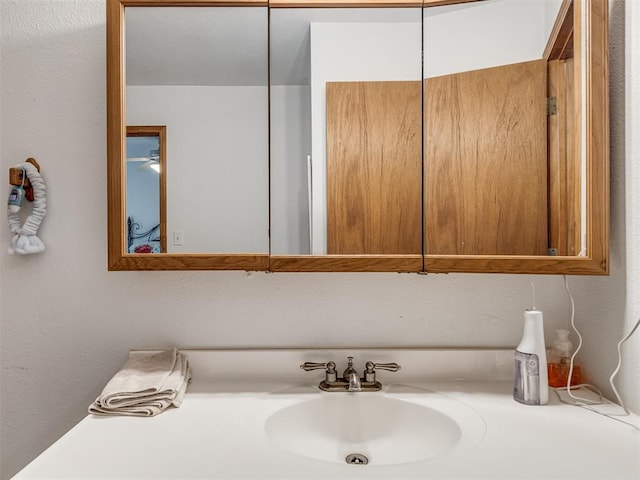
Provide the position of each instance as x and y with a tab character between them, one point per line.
354	383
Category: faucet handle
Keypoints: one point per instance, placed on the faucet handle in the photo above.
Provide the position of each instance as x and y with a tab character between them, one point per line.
330	374
370	369
329	366
391	367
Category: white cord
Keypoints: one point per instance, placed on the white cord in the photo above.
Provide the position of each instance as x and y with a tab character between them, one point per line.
575	353
615	372
585	402
533	295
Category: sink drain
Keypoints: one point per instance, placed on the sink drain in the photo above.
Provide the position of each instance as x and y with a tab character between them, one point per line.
357	459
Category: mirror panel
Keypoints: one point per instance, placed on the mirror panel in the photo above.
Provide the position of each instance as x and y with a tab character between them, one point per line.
485	128
574	174
346	160
200	70
565	210
578	162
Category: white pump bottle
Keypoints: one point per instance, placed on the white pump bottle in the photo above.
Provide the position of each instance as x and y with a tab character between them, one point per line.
531	385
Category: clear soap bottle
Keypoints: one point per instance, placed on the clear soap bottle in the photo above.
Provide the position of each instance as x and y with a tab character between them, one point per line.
560	361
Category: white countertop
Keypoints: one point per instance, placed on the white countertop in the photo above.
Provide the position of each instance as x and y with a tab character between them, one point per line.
207	437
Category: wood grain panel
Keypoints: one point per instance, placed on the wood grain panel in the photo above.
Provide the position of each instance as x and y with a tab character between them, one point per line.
191	261
557	158
346	263
374	168
565	174
193	3
561	43
485	161
535	265
344	3
115	133
362	3
597	125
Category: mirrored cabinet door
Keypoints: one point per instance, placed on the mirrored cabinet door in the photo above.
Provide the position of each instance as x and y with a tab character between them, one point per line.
346	139
485	128
515	142
201	74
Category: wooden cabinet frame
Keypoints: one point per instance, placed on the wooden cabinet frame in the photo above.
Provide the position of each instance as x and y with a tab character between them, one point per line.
596	262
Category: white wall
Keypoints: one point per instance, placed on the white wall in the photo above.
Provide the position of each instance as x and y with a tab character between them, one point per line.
290	145
551	9
217	188
67	323
460	38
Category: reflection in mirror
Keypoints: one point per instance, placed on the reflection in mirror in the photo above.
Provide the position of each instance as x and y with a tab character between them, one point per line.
345	131
146	190
202	72
490	188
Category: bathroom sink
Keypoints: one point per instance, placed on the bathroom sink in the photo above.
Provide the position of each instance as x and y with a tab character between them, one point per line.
400	425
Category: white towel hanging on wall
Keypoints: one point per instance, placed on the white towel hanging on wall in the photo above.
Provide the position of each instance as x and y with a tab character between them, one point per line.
25	236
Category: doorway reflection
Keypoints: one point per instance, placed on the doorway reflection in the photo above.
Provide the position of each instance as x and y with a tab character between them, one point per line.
145	231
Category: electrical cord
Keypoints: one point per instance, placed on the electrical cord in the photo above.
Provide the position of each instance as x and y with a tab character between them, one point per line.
586	402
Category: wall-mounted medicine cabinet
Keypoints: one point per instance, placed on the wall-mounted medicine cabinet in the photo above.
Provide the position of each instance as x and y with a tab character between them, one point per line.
403	136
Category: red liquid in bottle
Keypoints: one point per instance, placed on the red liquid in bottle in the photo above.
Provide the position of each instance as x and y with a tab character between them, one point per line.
559	373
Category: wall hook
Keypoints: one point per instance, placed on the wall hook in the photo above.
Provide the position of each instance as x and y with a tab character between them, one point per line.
15	178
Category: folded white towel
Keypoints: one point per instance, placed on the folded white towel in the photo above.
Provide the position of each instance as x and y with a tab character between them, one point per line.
146	385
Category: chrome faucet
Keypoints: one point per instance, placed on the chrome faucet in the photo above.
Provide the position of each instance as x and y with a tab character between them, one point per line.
350	381
354	383
351	376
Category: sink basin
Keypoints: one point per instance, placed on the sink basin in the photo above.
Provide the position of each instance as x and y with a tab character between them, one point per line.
401	425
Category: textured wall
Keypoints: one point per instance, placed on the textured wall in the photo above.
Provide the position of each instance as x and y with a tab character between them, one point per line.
67	323
608	307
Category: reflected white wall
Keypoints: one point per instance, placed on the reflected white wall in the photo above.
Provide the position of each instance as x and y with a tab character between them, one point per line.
465	37
290	146
217	163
